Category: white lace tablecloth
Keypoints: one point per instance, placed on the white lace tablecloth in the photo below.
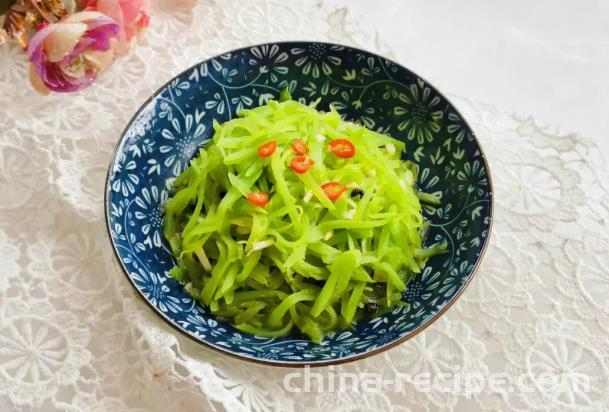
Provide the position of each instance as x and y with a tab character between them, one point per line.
74	336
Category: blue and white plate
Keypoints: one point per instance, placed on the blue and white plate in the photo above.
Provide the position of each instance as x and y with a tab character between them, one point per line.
168	129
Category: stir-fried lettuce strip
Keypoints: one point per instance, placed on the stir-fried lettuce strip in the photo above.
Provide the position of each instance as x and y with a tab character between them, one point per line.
302	261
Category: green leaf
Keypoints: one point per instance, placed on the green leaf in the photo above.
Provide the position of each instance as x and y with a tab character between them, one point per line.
458	154
325	88
349	75
418	154
476	212
5	5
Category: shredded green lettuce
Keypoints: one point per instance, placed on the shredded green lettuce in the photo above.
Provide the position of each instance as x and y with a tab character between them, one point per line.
302	261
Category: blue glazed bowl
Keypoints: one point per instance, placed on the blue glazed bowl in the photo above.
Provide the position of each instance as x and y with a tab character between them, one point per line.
166	132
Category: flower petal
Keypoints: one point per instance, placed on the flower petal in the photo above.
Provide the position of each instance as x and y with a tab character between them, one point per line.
62	39
85	15
37	82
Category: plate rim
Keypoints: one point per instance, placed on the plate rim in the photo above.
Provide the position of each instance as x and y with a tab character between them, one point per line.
300	363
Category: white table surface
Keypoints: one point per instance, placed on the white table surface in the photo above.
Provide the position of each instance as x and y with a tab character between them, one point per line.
546	58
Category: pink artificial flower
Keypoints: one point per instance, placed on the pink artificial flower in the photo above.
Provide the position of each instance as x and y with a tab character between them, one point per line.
67	56
131	16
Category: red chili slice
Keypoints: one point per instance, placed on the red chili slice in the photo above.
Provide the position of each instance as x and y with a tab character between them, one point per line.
301	164
300	147
258	198
267	149
333	190
342	148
